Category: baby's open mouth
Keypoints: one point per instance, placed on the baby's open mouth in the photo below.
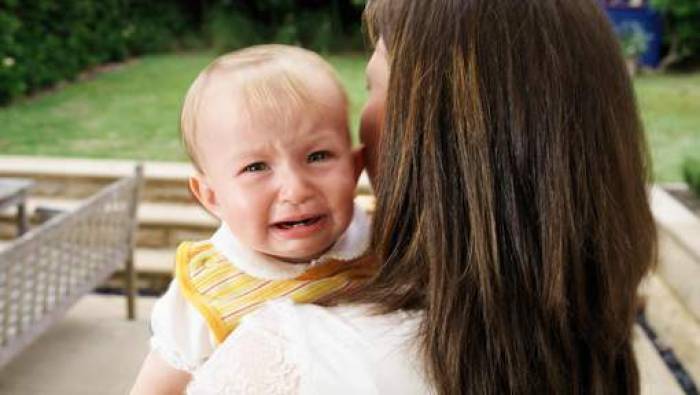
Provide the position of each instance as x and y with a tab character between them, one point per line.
295	224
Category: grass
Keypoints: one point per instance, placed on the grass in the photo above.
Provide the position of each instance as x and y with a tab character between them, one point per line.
132	112
670	108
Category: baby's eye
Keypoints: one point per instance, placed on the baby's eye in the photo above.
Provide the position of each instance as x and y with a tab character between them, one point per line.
318	156
255	167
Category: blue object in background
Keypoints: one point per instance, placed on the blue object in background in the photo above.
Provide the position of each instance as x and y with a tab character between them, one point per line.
652	23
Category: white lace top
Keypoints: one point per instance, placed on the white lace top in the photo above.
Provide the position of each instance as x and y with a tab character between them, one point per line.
285	348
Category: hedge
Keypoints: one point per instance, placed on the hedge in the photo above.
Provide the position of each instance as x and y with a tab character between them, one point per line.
321	25
43	42
46	41
682	23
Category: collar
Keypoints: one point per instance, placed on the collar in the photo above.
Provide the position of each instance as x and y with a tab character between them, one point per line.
351	244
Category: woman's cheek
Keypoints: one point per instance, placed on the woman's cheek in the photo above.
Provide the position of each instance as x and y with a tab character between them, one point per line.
370	133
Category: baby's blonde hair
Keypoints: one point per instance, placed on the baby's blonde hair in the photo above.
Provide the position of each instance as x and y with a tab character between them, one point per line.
272	79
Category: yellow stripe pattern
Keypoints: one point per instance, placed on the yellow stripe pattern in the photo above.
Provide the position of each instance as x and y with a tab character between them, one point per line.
223	294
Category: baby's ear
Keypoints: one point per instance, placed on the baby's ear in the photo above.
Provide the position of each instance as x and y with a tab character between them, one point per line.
204	193
358	159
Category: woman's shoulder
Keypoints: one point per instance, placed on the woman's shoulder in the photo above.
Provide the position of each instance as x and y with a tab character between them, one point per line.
311	349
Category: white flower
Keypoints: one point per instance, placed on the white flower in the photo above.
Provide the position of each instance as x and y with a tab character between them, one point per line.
8	61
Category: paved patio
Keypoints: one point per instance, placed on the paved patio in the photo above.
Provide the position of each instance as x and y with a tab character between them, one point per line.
95	350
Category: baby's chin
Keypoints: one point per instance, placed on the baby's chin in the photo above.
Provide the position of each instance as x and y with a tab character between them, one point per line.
300	257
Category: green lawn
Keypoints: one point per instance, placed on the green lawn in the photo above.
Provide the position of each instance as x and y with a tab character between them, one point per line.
132	112
129	112
670	107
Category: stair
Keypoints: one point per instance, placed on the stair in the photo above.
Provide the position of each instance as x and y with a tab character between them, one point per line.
673	323
161	224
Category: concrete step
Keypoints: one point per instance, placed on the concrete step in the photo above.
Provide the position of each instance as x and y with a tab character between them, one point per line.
148	283
156	261
78	178
679	248
154	270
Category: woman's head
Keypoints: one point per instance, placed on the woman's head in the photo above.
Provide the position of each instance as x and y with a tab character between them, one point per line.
511	195
371	122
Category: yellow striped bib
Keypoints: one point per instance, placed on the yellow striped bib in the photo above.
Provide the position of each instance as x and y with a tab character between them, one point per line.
223	294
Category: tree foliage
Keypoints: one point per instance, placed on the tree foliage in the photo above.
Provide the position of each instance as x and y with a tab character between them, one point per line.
682	22
321	25
43	42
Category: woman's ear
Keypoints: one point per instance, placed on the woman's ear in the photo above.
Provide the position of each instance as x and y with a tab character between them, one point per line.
358	159
204	193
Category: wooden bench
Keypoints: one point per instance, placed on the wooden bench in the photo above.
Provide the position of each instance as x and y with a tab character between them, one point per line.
45	271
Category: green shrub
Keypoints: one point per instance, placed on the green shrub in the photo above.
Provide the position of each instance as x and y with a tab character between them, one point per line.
230	29
324	26
691	174
43	42
154	27
681	19
633	39
11	74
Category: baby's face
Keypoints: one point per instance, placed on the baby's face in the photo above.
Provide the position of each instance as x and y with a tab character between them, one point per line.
285	187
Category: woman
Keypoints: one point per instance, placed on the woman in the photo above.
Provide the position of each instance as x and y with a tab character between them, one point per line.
512	223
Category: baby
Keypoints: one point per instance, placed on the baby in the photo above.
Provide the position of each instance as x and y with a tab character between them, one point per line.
267	131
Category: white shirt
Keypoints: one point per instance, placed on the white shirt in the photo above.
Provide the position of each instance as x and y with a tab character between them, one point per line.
180	333
285	348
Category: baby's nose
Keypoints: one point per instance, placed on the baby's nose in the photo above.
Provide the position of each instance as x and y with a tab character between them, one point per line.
295	188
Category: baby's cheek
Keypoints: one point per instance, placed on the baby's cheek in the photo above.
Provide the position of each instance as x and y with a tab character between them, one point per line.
245	208
346	197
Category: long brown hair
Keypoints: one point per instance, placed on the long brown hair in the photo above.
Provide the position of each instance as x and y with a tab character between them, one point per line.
512	203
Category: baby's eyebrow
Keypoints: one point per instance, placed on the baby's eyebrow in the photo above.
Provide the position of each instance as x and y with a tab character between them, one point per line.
248	154
316	142
323	133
